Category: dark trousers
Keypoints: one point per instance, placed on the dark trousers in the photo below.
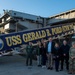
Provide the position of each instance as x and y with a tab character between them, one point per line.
56	64
66	59
29	60
44	58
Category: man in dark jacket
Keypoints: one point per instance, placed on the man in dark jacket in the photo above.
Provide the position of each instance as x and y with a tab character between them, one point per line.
29	50
50	46
65	55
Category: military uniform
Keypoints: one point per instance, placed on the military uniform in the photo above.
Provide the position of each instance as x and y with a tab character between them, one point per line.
72	61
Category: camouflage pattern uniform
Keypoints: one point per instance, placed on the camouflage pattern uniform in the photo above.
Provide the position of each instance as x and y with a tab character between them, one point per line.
72	61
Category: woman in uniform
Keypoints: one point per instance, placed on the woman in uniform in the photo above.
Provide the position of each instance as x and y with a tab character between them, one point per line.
72	59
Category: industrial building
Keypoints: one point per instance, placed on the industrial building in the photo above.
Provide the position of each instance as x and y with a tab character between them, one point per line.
14	21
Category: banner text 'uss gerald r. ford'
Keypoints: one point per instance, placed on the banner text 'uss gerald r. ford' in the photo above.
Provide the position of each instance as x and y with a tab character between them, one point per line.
15	39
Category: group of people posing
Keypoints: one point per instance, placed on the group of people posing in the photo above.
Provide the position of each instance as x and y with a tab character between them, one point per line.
50	53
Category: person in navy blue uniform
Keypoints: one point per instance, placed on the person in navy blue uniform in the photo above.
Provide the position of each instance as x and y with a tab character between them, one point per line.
57	56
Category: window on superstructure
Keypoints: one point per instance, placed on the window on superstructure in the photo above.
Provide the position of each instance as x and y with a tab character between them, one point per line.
14	13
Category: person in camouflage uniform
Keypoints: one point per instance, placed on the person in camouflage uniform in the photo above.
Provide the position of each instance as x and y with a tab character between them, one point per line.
72	59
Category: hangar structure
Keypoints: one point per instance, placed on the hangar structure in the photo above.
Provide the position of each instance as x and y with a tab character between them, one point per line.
12	21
